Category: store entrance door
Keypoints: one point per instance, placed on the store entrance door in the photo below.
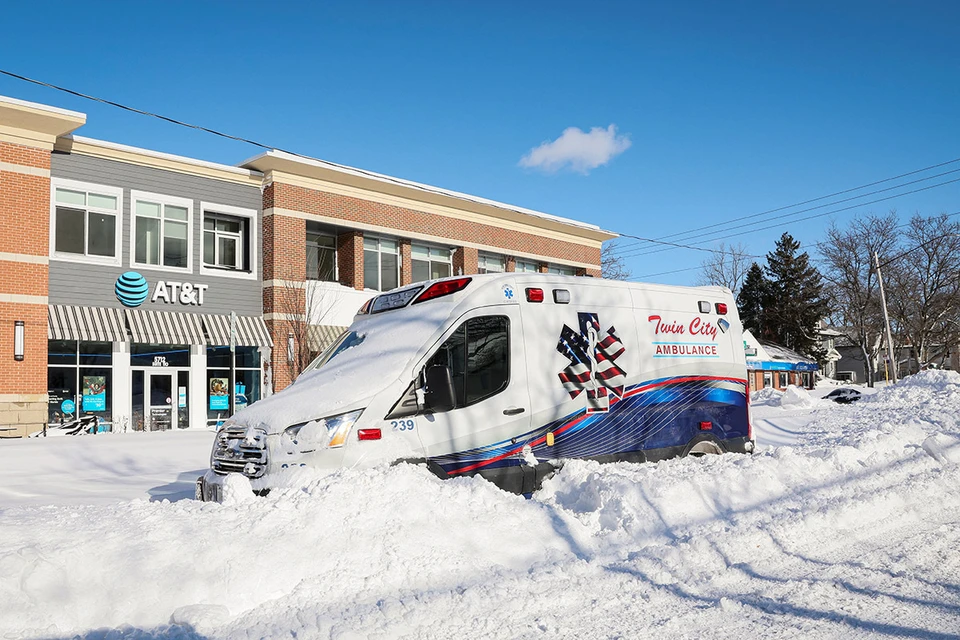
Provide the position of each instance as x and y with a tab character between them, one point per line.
160	415
160	399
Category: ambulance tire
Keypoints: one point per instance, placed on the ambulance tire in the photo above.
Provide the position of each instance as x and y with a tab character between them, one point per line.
703	446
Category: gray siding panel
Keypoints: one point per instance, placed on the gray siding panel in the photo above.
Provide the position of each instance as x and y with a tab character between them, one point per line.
93	285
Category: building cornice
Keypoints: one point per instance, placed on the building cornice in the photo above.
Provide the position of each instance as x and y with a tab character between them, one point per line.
157	160
35	125
323	176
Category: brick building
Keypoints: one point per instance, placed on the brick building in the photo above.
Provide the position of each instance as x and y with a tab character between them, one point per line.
125	272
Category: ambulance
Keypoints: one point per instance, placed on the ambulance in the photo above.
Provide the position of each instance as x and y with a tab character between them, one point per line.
505	376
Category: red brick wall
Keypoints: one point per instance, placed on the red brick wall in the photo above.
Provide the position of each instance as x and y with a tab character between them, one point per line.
24	229
401	219
466	261
406	262
350	259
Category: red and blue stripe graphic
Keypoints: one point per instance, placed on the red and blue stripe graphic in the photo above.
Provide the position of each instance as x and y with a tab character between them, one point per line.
655	414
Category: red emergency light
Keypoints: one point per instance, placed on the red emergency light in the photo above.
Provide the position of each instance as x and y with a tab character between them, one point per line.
534	295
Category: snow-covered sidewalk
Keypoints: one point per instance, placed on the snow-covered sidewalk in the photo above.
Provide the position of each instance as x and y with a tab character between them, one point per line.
849	532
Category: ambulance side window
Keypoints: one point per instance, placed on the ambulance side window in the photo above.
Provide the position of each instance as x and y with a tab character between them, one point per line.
478	355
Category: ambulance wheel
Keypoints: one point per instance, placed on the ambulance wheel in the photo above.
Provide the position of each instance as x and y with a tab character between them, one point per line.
703	448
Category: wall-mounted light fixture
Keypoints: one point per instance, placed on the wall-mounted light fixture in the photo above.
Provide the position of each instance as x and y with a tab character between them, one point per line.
18	339
290	347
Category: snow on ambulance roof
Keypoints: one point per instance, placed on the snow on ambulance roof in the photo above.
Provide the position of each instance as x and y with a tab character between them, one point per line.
275	159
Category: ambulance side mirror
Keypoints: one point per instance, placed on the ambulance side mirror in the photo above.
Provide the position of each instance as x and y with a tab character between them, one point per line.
438	391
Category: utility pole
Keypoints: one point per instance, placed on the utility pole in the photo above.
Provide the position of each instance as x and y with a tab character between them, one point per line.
886	318
233	362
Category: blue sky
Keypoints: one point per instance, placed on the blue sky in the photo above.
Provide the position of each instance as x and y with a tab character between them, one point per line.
719	110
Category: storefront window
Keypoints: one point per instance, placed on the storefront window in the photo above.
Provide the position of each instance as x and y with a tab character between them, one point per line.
74	387
246	385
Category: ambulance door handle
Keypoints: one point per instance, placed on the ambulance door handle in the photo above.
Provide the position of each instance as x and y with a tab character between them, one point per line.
512	411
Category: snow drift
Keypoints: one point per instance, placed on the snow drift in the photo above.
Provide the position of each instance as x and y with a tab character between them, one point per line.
852	532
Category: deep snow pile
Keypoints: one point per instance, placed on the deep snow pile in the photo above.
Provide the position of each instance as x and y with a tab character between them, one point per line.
853	533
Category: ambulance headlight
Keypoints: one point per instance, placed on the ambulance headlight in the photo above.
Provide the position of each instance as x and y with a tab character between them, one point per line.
328	432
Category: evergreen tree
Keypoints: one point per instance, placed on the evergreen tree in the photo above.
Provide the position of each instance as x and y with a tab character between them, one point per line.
796	300
752	299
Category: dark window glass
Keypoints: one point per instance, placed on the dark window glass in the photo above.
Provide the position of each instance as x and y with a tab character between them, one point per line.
371	270
321	257
248	357
388	271
70	230
478	355
96	353
61	352
61	385
103	234
218	357
420	271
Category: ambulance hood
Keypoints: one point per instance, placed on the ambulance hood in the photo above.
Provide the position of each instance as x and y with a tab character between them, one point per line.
375	356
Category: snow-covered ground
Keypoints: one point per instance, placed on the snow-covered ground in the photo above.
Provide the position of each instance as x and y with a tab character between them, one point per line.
846	523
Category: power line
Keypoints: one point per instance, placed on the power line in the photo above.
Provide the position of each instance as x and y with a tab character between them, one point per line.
817	244
651	251
799	204
228	136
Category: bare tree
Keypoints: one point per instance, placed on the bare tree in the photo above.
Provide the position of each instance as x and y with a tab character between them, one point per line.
612	266
855	308
925	287
301	305
727	267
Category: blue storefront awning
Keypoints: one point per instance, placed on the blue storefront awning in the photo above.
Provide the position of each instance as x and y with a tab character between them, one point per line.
771	365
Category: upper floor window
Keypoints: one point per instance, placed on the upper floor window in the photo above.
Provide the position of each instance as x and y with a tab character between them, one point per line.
490	263
321	255
381	264
85	221
561	270
430	263
161	234
525	266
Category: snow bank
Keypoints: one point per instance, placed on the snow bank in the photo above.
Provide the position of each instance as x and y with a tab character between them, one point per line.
850	533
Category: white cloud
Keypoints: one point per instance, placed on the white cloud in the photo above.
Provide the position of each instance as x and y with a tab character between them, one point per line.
577	150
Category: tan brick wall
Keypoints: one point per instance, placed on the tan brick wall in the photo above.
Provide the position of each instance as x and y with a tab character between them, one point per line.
511	265
402	220
24	229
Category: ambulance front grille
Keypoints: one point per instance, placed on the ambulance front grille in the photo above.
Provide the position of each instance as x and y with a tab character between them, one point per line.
240	450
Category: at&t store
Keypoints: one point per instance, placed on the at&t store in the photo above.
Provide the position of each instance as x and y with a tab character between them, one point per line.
154	274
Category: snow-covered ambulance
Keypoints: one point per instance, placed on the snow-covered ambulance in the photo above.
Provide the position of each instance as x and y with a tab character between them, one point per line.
505	376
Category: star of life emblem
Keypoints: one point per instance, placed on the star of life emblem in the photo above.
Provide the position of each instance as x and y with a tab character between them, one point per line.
593	366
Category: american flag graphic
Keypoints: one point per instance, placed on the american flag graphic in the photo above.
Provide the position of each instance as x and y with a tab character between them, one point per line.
592	367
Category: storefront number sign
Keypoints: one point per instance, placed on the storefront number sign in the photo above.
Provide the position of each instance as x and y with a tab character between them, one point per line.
160	361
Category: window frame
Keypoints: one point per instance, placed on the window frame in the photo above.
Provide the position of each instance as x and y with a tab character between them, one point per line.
336	265
536	266
483	256
380	251
87	188
561	269
249	217
431	259
162	200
